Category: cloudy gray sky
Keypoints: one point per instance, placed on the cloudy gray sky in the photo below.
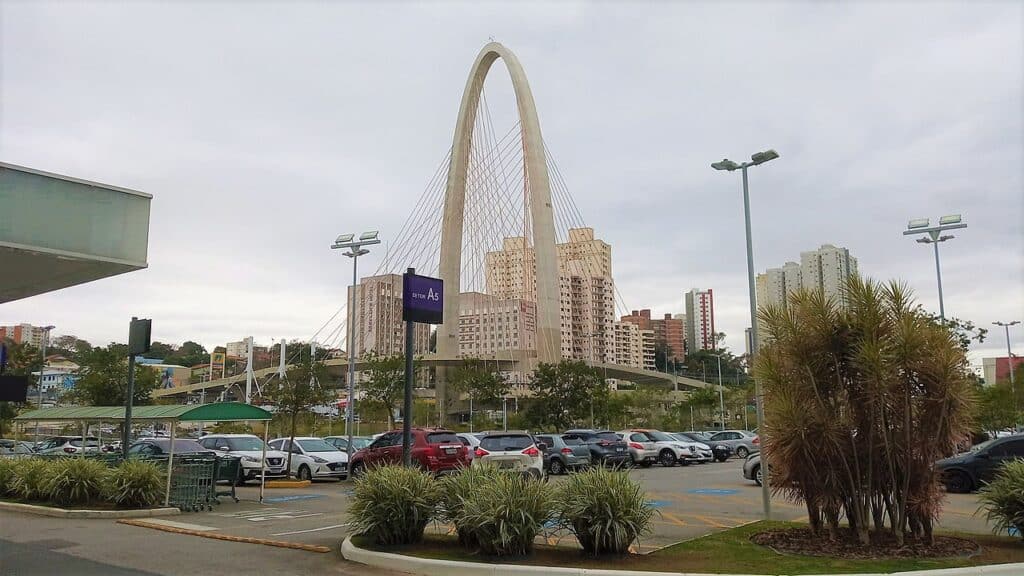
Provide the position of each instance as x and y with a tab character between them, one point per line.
265	129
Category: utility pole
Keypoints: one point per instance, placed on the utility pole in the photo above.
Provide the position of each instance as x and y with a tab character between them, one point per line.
248	370
42	372
1009	361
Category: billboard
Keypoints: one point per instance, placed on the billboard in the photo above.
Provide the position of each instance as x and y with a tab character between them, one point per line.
217	360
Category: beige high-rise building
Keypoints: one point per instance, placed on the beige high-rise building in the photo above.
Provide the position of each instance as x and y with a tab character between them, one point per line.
632	346
379	325
586	289
490	326
825	269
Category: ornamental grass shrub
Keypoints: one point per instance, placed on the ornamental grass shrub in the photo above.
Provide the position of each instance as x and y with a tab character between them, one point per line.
6	475
135	484
30	478
393	504
504	516
1002	499
75	481
606	510
456	489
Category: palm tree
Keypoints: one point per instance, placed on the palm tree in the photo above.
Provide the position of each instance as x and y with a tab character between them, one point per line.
860	400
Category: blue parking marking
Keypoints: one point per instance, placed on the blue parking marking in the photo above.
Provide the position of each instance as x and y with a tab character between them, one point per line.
292	498
658	503
713	491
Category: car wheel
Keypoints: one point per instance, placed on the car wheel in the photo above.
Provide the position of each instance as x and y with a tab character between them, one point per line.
556	467
958	482
357	470
742	452
758	475
667	458
305	473
721	458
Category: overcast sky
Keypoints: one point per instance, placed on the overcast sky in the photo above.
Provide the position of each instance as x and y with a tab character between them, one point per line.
264	130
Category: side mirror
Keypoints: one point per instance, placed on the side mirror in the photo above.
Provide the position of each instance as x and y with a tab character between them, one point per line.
224	448
542	447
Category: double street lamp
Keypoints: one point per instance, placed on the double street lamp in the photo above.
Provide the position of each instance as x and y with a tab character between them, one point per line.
355	250
729	165
934	237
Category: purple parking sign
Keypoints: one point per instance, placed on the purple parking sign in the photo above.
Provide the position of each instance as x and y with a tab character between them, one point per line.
422	299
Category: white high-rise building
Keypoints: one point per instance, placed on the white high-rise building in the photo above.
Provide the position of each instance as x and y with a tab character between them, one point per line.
700	320
632	346
825	270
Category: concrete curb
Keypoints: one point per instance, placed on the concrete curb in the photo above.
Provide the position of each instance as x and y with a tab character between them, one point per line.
429	567
228	537
95	514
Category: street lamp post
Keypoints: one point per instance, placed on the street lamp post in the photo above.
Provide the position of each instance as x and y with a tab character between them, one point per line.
1009	360
934	237
592	334
729	165
355	250
721	396
42	372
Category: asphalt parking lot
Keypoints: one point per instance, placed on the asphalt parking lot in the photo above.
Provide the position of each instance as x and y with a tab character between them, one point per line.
691	501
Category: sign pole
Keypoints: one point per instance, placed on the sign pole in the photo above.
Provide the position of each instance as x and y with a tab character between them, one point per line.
407	417
138	343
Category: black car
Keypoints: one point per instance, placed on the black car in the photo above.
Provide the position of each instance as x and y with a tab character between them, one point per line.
973	469
720	451
162	447
605	446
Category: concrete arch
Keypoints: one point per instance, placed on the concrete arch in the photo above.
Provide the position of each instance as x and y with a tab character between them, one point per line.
549	335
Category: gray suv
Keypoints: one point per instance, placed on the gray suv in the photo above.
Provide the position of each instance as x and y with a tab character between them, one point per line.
563	454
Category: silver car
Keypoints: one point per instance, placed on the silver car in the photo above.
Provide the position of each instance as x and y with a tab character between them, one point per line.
742	442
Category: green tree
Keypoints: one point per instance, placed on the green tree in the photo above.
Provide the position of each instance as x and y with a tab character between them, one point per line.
188	354
301	389
385	383
160	350
22	359
7	413
996	408
70	346
483	383
103	379
564	395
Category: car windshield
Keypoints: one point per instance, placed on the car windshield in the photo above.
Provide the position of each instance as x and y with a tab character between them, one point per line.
571	441
180	446
442	438
983	445
316	445
661	436
89	442
359	443
506	443
243	444
609	436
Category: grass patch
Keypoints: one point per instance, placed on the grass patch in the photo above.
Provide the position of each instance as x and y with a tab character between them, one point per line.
728	551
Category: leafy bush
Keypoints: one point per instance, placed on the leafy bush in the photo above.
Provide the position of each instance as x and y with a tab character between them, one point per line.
6	475
393	504
75	481
505	515
30	478
456	489
606	510
1003	498
135	484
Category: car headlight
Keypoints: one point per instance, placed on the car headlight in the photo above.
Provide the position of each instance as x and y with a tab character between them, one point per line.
319	460
252	459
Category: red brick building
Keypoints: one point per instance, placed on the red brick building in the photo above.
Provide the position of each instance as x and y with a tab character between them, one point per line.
668	331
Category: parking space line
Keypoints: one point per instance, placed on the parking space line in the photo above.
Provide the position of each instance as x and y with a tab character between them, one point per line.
227	537
707	520
310	530
673	518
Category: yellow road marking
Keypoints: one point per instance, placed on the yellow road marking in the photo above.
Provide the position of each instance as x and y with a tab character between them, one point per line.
227	537
673	518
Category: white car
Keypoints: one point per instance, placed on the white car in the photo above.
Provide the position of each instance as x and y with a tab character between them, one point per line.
702	453
313	458
250	449
515	451
471	442
670	450
68	445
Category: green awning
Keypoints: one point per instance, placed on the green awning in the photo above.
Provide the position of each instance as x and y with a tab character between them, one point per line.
216	412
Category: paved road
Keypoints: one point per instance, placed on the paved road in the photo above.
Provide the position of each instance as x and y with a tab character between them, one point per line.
692	501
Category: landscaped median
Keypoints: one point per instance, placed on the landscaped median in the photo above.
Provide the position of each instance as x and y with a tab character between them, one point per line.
727	552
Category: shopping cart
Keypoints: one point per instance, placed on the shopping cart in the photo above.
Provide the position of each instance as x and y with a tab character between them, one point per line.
192	485
228	469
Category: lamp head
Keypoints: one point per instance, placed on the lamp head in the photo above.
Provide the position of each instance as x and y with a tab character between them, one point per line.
762	157
725	164
917	223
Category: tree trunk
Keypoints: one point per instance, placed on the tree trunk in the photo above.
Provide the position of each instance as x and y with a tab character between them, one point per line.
813	516
832	517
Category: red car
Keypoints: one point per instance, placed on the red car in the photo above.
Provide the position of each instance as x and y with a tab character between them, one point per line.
434	449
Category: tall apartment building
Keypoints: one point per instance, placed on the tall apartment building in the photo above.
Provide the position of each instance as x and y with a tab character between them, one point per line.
236	349
23	334
825	269
379	325
700	320
490	326
632	346
668	331
586	289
